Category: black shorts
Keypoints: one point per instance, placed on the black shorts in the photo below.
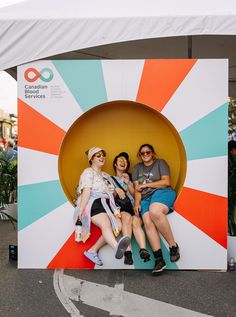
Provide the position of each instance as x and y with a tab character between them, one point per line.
97	207
125	207
131	212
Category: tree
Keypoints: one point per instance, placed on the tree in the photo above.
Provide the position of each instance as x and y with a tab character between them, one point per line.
8	184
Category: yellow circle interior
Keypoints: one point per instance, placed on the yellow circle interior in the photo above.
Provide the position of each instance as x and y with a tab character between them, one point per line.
120	126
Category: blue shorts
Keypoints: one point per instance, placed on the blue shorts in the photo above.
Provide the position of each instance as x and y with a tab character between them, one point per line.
165	196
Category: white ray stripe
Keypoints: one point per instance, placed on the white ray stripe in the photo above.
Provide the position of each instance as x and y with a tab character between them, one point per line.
122	78
202	91
107	256
198	250
59	105
208	175
40	242
36	167
120	303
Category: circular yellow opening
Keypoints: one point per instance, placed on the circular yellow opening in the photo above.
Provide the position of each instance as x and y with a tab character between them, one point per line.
116	127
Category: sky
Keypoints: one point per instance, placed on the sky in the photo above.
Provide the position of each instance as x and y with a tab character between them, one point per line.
8	93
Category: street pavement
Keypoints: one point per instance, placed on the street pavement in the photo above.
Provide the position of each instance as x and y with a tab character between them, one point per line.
59	293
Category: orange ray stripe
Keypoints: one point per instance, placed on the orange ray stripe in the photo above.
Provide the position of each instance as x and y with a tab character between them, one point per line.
71	255
206	211
160	79
37	132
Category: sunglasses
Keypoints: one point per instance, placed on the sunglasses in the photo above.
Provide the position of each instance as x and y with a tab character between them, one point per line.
100	154
121	159
145	152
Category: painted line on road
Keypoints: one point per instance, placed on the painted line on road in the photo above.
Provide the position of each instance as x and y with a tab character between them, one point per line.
114	300
58	284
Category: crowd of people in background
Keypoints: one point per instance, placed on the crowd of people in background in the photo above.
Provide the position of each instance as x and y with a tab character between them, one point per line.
8	148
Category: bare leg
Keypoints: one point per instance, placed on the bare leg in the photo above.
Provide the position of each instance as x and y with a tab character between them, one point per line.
102	221
126	220
119	224
158	213
152	233
98	244
138	232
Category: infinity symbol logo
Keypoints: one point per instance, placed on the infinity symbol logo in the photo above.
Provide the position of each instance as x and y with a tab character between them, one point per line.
37	75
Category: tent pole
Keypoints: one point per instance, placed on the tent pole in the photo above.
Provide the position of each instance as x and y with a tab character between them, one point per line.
190	46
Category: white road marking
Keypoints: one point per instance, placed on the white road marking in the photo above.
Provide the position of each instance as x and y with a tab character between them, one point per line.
114	300
62	294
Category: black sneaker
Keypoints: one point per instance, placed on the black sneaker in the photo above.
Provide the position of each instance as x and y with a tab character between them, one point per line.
128	258
144	255
174	253
159	266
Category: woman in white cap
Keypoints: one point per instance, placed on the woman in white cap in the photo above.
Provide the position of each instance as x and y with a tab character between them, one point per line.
96	204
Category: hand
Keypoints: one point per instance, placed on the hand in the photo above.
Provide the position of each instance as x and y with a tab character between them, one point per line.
126	178
80	214
139	188
117	214
120	193
137	209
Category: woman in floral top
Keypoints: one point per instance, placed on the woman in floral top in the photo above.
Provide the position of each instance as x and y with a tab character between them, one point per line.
96	204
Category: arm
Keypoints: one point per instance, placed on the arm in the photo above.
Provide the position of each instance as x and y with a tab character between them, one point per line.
84	200
130	188
162	183
128	183
137	198
118	191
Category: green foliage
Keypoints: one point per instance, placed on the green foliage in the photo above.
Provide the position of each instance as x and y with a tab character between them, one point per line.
232	196
8	184
231	119
232	172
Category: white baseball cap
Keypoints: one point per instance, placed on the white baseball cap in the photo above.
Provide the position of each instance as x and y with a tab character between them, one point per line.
93	151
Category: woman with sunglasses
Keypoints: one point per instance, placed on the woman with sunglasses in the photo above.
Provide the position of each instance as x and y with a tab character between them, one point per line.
124	199
96	204
154	199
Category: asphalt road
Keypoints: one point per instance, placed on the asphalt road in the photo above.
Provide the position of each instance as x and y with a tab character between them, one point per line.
28	293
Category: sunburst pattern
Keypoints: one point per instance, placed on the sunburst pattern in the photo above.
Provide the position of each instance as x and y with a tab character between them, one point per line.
169	86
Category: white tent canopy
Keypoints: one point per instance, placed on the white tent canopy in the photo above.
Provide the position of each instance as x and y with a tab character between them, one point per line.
32	29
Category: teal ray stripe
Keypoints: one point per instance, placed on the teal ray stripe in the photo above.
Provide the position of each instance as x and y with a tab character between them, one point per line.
139	264
37	200
85	81
208	136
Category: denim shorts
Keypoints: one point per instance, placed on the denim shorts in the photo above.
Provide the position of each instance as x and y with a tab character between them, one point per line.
165	196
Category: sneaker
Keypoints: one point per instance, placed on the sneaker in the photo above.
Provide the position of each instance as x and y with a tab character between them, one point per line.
93	256
174	253
144	255
128	258
159	266
122	246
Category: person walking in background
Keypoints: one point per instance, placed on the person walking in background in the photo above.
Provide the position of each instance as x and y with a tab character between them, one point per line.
154	199
95	203
125	200
9	153
15	146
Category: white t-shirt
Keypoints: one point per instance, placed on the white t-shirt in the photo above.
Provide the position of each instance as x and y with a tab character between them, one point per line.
100	183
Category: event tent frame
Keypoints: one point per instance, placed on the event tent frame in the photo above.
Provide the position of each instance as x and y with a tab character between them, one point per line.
55	29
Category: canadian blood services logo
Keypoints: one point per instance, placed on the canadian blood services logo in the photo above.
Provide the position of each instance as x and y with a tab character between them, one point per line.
32	74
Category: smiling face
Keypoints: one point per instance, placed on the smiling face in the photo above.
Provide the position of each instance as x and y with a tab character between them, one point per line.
98	159
121	164
146	155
